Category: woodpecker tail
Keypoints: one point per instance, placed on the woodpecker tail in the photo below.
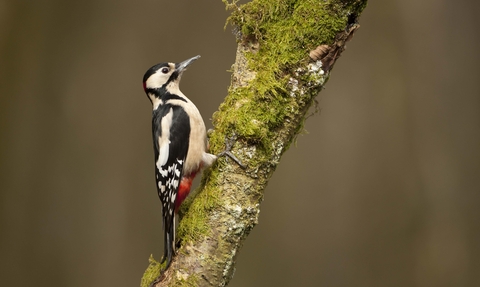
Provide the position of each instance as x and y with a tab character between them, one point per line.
169	242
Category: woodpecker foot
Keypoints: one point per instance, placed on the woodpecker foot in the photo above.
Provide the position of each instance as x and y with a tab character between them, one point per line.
227	152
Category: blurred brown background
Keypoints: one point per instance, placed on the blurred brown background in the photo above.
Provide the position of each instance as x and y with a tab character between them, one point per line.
384	190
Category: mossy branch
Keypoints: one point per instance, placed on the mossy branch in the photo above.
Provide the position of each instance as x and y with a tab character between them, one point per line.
286	50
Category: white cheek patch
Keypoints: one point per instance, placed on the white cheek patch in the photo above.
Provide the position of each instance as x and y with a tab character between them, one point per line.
157	80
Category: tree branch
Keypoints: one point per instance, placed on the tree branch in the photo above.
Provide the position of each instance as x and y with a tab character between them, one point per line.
286	50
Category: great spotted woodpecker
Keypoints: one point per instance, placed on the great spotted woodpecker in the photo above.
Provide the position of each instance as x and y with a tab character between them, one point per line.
179	142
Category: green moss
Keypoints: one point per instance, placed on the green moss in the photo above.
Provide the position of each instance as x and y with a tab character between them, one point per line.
194	223
152	272
285	31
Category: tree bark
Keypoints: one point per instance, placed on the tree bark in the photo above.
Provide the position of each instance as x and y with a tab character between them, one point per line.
286	50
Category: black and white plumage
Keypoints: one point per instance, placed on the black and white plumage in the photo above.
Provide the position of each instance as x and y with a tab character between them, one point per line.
180	142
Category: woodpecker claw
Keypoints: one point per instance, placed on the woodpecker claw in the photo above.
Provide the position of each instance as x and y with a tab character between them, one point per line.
227	152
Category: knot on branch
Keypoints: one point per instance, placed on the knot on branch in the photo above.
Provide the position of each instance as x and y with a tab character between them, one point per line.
328	54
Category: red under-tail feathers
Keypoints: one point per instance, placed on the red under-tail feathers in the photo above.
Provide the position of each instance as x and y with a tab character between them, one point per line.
184	189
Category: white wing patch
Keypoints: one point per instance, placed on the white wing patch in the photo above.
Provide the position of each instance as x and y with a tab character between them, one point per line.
163	142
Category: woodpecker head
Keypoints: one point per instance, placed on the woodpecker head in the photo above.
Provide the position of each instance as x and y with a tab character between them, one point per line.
164	77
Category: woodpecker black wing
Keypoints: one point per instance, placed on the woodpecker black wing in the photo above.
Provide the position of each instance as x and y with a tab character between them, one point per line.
171	131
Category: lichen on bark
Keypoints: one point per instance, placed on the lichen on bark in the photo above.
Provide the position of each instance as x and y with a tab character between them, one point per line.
274	83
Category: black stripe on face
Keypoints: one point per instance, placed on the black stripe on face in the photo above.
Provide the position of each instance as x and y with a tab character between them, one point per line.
173	77
169	96
163	94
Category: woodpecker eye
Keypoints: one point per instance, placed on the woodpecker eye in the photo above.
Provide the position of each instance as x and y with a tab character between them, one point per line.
165	70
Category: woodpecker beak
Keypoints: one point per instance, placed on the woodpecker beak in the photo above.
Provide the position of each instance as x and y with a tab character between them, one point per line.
180	67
